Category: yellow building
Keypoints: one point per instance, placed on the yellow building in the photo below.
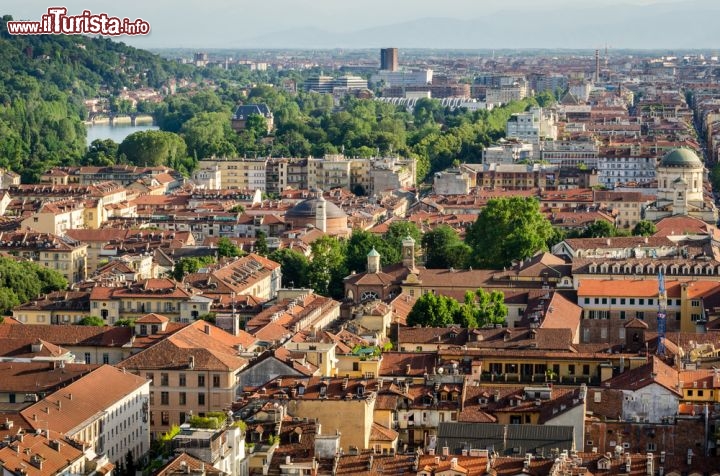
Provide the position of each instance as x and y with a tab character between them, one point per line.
63	307
700	386
242	174
161	296
48	250
57	217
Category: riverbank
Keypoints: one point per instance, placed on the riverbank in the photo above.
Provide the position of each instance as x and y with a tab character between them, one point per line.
144	119
117	131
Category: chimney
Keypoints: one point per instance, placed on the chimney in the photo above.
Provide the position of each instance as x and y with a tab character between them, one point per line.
453	463
445	451
207	329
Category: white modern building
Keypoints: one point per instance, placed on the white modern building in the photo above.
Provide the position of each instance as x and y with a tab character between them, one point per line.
403	78
532	126
622	170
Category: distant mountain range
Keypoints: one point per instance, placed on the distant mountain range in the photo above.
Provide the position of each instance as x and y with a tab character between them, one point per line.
685	25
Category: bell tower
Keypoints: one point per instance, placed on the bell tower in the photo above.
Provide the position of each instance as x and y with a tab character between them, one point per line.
373	262
408	252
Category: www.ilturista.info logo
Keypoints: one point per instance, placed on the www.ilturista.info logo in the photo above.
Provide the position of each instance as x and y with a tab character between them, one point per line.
58	22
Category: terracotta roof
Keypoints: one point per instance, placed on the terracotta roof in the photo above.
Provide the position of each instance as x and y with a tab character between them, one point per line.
152	318
65	410
681	225
39	377
655	371
184	464
69	335
210	348
626	288
382	433
50	448
407	364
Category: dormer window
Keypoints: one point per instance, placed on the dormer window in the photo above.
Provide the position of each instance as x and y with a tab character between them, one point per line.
361	390
323	389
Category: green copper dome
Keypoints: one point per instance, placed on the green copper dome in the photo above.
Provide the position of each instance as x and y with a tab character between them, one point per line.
683	157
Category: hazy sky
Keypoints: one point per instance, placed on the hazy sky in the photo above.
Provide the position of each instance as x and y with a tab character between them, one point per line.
214	23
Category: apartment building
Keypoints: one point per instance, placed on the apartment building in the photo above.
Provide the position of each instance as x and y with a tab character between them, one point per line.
570	153
111	419
236	173
192	372
64	255
452	182
532	126
163	296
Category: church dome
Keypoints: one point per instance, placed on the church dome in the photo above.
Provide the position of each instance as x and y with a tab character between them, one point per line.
308	209
683	157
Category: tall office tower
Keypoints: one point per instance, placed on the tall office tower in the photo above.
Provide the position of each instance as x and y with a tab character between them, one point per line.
597	67
389	59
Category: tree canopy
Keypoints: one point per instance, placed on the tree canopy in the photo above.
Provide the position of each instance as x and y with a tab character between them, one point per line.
508	229
444	249
294	265
22	281
480	308
644	228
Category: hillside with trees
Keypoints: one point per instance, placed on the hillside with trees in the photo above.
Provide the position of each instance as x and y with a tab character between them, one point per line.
43	82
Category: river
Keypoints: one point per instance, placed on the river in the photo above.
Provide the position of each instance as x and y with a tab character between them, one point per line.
116	132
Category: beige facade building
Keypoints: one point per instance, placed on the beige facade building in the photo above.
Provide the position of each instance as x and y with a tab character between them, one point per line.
192	372
242	174
67	257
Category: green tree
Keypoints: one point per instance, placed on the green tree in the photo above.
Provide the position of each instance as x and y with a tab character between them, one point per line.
433	311
600	229
257	124
644	228
91	321
228	249
189	265
130	466
22	281
294	265
487	307
261	246
327	267
508	229
209	134
440	246
102	152
154	148
401	229
361	242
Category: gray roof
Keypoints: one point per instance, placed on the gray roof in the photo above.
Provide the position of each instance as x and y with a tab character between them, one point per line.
307	208
244	111
682	157
505	439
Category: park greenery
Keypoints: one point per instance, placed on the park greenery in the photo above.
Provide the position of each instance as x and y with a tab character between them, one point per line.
479	309
23	281
43	82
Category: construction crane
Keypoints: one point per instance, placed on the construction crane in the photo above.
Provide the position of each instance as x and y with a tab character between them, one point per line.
661	314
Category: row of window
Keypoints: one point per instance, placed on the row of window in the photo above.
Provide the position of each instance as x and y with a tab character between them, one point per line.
182	379
633	301
182	398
